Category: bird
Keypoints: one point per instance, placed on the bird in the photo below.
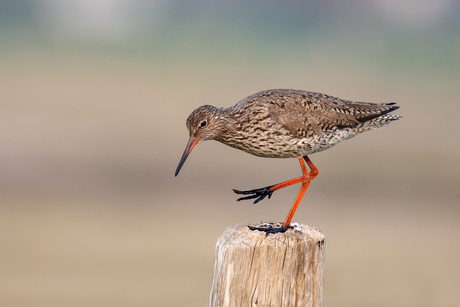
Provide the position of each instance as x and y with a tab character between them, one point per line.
285	123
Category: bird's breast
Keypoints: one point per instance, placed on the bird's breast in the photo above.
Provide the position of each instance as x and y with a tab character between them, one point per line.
280	143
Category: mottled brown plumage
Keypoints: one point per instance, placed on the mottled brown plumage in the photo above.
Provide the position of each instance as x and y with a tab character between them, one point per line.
285	124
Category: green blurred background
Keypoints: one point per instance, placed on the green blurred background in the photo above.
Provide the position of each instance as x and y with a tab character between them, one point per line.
94	98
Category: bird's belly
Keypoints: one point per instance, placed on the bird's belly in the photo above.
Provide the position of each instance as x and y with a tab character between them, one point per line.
287	146
324	141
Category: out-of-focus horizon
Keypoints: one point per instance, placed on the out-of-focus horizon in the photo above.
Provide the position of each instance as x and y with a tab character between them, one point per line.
94	99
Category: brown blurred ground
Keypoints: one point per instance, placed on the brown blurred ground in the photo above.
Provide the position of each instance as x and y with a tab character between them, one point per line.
92	215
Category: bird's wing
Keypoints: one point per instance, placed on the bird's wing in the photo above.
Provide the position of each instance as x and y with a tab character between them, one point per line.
308	113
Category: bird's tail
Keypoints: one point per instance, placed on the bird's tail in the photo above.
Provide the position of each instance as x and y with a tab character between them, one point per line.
377	122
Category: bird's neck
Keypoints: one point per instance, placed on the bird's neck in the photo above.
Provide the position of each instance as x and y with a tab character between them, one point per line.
229	126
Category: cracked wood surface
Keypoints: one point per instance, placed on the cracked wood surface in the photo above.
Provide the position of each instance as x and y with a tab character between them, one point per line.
281	269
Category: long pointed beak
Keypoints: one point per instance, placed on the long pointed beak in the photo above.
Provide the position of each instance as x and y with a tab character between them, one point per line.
191	143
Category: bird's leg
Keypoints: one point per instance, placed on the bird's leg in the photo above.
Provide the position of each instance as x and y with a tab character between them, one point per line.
305	179
261	193
313	170
305	182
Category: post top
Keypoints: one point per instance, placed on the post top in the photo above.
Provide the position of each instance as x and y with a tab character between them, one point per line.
246	236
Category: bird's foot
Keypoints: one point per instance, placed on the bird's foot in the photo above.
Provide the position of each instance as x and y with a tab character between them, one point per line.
269	228
260	194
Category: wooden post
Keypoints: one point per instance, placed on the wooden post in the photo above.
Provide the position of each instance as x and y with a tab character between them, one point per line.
281	269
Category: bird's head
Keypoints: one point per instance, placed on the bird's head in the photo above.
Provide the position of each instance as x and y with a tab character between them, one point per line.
203	125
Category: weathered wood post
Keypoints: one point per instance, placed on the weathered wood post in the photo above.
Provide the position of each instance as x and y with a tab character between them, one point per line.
281	269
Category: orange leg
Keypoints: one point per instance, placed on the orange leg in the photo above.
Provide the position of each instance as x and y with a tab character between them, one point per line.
313	173
261	193
305	182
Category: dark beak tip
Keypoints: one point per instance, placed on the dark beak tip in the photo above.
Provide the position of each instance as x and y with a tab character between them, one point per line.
191	143
178	170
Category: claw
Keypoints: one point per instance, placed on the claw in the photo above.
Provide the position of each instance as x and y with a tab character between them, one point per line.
268	228
260	194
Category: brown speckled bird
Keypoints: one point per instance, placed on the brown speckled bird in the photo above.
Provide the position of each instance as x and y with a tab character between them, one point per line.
285	123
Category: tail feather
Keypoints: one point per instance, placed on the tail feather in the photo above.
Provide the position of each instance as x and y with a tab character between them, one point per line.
377	122
381	112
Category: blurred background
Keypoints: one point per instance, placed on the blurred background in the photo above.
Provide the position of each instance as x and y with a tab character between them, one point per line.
94	98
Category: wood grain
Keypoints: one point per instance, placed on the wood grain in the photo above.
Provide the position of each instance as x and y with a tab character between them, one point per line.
281	269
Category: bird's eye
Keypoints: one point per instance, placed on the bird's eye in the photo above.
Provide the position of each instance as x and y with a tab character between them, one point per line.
203	123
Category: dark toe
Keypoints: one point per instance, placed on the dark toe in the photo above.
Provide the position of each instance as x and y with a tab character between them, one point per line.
268	229
260	194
